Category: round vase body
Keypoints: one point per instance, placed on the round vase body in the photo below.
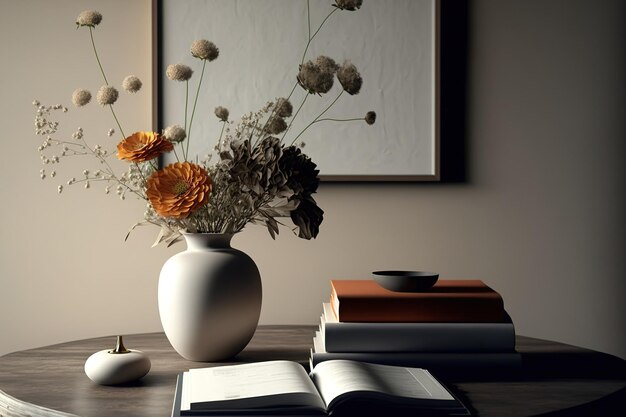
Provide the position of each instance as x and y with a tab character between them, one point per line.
209	298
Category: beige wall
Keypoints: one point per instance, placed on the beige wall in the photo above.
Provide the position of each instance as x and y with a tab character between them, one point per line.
541	217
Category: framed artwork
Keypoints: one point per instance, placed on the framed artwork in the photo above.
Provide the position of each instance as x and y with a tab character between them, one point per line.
394	44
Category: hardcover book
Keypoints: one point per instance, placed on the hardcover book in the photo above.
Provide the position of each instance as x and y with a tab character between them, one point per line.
454	301
335	387
415	337
442	363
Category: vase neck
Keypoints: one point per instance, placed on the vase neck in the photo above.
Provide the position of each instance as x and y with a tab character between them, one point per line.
196	241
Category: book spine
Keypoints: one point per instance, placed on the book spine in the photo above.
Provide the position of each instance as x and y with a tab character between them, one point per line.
418	337
457	362
477	308
447	363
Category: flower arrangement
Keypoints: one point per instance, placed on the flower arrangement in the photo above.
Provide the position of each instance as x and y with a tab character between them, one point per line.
259	176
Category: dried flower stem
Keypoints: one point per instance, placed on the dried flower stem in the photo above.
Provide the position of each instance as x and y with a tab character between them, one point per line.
117	121
93	44
193	111
294	117
310	39
186	101
318	117
259	132
222	132
316	32
292	90
176	154
95	51
339	120
308	17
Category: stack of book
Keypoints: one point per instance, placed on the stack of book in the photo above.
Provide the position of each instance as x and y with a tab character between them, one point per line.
457	326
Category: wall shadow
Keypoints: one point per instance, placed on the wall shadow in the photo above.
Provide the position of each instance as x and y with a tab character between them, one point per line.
453	84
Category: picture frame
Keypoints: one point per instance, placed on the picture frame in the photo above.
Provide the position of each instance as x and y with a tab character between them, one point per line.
394	44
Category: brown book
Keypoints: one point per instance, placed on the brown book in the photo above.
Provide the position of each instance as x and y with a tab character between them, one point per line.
453	301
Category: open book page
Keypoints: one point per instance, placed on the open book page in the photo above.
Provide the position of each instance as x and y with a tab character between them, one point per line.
246	386
342	378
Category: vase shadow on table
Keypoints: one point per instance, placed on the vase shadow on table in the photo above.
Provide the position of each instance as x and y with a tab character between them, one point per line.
250	354
586	364
610	405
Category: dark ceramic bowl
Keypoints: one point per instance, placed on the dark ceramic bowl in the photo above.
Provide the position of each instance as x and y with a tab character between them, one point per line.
405	281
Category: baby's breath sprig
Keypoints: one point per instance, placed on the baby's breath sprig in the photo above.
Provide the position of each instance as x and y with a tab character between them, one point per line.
78	146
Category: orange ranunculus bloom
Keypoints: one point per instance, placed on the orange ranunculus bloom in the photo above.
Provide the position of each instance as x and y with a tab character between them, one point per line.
143	146
179	189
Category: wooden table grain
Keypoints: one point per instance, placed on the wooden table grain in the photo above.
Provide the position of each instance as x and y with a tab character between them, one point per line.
557	379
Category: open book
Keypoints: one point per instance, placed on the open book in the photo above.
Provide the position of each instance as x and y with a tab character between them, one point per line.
338	387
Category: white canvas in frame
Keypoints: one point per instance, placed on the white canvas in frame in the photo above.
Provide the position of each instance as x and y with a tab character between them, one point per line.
393	44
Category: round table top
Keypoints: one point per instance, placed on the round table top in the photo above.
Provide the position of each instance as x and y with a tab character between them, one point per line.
555	377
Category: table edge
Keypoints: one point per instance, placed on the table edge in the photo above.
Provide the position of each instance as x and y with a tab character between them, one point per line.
12	407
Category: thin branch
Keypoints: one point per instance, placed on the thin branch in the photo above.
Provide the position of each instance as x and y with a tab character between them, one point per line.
93	44
194	107
320	115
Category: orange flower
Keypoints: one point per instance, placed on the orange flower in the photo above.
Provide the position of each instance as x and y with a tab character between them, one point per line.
143	146
179	189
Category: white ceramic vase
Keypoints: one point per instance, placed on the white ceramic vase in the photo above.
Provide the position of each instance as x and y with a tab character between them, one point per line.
209	298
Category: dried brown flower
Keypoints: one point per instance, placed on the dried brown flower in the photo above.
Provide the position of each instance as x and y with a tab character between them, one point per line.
132	84
327	64
174	133
351	5
178	72
313	79
370	117
179	189
302	179
222	113
81	97
284	107
89	18
107	95
204	49
301	171
308	217
266	155
349	78
276	125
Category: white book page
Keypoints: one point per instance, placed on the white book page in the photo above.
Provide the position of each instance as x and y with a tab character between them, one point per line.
338	377
329	316
262	384
185	404
318	343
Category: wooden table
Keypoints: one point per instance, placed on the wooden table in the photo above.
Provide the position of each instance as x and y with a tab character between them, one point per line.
558	379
